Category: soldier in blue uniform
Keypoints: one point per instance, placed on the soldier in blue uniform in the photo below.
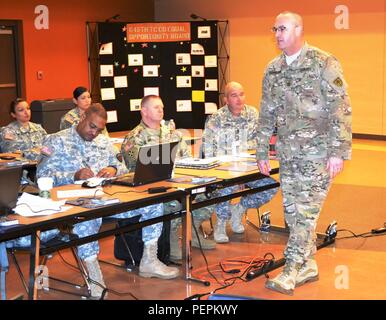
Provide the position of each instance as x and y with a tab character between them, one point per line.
79	153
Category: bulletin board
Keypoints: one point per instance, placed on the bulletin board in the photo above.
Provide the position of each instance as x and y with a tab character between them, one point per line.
176	60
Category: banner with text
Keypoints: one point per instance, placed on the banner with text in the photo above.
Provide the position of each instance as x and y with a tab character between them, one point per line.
158	32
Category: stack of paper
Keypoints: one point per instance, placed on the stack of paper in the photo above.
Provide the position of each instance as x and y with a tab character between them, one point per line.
29	205
195	163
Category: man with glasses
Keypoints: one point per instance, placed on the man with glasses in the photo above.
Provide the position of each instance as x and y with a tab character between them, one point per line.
232	131
304	95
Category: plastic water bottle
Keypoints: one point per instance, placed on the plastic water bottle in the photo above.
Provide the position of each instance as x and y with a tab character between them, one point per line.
172	126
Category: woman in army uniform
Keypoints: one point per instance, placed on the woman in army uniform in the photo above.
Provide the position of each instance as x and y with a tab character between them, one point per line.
82	100
22	135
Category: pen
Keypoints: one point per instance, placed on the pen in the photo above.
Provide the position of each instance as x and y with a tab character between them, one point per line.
85	164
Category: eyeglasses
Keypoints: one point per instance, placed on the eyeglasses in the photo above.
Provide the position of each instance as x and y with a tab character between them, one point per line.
279	28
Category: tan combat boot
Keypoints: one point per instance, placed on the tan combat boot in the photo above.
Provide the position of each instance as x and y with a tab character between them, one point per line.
97	284
307	273
237	218
206	244
285	281
150	266
220	234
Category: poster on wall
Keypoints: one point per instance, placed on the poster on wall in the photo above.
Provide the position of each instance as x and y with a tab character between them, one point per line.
175	60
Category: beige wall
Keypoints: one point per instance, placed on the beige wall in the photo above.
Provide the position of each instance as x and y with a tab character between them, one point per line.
360	48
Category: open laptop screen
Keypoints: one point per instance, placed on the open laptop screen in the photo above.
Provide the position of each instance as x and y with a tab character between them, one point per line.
154	163
9	188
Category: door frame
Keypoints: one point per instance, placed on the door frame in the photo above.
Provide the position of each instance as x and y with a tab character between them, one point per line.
17	28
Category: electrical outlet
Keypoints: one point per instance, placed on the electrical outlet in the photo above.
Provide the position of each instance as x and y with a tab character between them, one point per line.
39	75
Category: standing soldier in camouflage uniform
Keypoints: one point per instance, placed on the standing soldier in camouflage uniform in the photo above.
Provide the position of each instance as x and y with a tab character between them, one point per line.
79	153
22	135
82	100
304	94
231	131
152	130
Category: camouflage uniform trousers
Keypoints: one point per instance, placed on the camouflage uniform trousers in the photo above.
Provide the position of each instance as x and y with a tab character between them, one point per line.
25	241
152	231
82	229
91	227
304	186
201	214
223	209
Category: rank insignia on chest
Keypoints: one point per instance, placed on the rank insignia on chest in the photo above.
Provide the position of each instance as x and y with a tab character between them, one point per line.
338	82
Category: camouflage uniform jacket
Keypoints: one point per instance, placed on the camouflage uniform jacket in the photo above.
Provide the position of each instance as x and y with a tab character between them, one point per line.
308	103
72	118
223	131
66	152
15	137
142	135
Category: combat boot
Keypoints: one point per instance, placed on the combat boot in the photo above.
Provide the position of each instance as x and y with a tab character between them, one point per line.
237	218
285	281
151	267
175	248
220	235
206	244
307	273
97	284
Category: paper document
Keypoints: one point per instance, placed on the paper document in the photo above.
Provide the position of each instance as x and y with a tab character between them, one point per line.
29	205
80	193
239	167
112	116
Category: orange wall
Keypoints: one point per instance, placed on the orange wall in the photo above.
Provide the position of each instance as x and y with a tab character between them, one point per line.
360	49
61	51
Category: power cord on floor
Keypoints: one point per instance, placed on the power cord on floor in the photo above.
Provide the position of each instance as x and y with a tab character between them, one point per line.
105	289
202	251
253	264
373	233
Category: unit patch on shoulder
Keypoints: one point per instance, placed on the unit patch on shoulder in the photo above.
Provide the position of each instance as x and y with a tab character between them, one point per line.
338	82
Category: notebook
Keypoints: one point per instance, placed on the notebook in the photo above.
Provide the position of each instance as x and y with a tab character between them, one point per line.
154	163
9	188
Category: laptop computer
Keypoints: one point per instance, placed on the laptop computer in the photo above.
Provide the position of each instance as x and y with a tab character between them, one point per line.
154	163
9	188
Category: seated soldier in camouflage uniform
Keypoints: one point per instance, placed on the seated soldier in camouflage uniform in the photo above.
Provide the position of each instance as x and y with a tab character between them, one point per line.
82	100
152	130
22	135
305	97
25	137
229	131
79	153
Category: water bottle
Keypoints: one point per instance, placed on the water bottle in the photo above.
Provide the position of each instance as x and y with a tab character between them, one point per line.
172	126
